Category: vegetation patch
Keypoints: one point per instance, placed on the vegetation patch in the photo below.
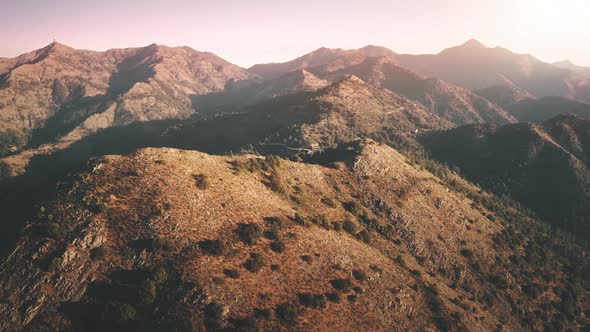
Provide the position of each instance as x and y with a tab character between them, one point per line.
315	301
276	222
118	312
364	236
359	275
213	247
349	226
286	314
276	183
341	284
249	233
213	316
99	253
255	263
232	273
277	246
333	297
300	220
201	181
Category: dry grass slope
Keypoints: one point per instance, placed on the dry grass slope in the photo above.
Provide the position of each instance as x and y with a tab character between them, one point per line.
171	238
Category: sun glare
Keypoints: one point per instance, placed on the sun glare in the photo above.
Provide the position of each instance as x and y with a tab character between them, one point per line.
552	18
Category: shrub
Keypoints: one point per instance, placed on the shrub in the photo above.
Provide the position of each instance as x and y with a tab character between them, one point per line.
354	207
364	236
277	246
249	233
375	268
400	260
202	181
328	202
443	323
98	253
118	312
213	316
359	275
232	273
265	314
151	244
341	284
466	253
158	274
349	226
532	290
275	183
277	222
213	247
275	267
333	297
325	224
147	292
315	301
337	226
306	258
433	299
416	273
272	234
54	230
286	314
244	324
352	298
255	263
499	280
300	220
296	199
321	221
271	162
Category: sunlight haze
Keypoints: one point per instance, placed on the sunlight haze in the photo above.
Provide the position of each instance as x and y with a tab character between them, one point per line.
258	31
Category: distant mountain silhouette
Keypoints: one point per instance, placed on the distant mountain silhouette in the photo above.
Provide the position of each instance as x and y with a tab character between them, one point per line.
378	66
475	66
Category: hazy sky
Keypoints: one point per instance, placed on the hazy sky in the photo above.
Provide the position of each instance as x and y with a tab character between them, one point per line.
253	31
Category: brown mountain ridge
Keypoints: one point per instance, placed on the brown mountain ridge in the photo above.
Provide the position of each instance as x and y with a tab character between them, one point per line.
372	242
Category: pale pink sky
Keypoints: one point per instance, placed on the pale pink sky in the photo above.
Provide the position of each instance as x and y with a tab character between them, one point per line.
247	32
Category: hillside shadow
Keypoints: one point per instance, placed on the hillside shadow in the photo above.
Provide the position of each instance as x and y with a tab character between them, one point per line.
69	116
20	197
79	108
231	99
129	72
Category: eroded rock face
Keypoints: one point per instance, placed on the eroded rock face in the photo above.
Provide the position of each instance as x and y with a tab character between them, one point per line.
46	270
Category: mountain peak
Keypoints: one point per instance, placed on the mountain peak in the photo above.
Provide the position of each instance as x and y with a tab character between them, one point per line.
376	51
301	78
470	46
473	43
353	79
57	47
564	62
348	85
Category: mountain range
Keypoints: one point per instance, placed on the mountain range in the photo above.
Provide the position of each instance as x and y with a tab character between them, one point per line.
166	189
50	93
